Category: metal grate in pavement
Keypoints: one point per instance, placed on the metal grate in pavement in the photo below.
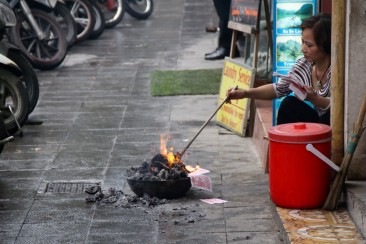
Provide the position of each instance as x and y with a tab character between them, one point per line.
68	187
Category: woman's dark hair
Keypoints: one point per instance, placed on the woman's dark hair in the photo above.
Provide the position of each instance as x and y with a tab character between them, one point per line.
321	24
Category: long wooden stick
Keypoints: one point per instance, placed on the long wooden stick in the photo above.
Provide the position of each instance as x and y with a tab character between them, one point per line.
204	125
337	86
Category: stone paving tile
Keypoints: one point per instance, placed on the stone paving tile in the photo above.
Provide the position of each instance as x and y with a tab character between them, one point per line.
13	216
258	212
53	232
9	232
247	199
127	162
260	225
24	164
90	174
80	162
254	237
59	216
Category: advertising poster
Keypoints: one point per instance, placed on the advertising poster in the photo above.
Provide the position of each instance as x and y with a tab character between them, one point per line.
287	17
234	115
245	12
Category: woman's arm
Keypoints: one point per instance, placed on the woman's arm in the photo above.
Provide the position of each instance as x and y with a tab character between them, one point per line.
317	100
265	92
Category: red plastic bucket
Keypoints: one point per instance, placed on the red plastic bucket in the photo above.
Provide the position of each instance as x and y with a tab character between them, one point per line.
299	179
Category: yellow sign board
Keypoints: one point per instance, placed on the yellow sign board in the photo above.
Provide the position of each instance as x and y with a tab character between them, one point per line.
234	115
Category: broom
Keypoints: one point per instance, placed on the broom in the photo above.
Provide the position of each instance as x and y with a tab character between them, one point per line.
331	203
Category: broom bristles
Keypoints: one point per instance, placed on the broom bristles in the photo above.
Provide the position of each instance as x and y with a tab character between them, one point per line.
331	202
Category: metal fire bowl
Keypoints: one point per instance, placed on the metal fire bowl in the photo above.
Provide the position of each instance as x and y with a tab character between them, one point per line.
168	189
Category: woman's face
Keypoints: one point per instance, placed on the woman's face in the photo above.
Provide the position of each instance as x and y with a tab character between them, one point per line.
311	51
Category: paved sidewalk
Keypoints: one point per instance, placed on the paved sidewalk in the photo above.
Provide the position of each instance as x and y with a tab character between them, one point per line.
98	119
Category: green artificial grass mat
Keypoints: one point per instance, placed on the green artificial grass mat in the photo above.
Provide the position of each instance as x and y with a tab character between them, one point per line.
185	82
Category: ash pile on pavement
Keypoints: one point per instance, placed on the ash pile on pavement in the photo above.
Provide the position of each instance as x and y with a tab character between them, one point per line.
176	214
118	199
157	170
182	214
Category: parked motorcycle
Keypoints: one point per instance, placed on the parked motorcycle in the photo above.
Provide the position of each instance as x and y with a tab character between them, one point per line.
14	100
113	11
28	77
82	12
66	21
99	25
38	34
139	9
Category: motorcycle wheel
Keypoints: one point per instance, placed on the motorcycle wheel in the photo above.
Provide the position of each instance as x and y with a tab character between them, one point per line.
13	94
82	12
99	25
44	54
67	23
29	77
139	9
113	11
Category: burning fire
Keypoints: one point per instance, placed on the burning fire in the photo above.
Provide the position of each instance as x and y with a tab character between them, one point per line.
170	156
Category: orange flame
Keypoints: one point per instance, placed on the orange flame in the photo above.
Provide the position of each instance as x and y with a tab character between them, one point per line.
163	142
169	154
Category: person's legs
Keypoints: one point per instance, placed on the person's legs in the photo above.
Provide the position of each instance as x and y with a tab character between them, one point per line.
325	118
293	110
225	34
223	11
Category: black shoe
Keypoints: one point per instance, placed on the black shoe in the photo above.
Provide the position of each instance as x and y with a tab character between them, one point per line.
219	53
212	29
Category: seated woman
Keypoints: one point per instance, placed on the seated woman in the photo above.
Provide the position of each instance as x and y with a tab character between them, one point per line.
313	71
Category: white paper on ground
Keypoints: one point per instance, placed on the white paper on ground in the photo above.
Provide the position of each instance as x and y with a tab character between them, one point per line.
213	200
199	171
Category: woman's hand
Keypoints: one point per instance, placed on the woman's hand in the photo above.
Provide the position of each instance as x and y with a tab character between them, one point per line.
311	94
318	101
235	94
